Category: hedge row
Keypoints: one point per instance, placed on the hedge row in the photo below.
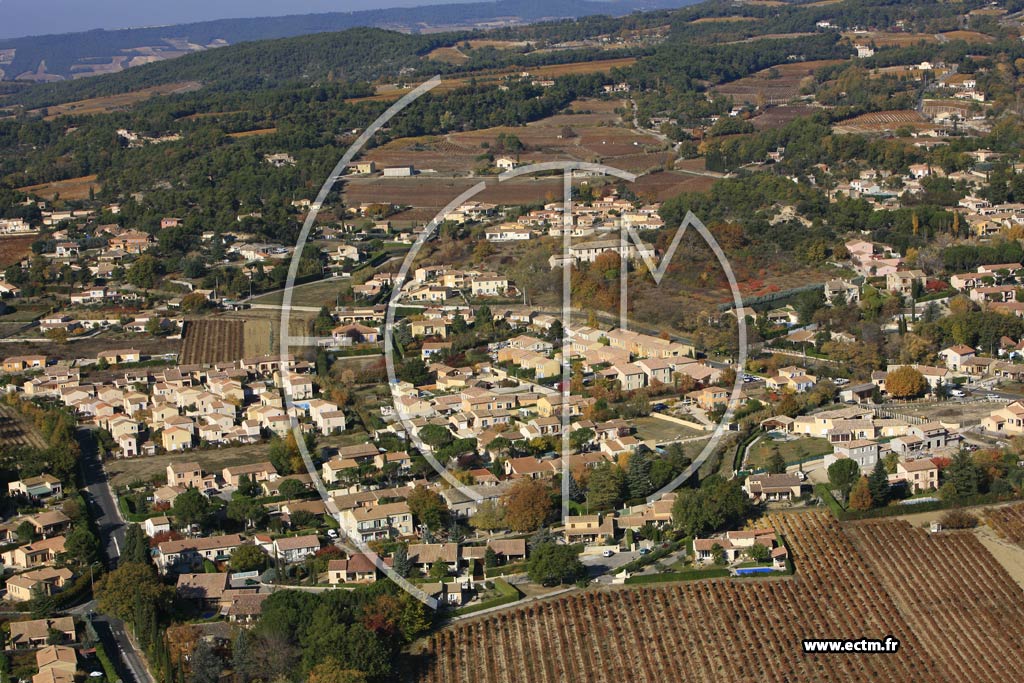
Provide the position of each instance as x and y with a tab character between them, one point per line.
509	594
689	575
844	515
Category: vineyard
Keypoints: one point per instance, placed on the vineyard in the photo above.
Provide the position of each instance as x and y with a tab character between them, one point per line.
212	341
880	121
948	589
951	609
15	431
1008	522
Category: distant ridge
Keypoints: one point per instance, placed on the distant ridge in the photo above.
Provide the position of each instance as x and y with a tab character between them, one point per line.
104	51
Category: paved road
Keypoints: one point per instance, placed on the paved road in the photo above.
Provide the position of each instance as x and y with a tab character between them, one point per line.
103	508
102	505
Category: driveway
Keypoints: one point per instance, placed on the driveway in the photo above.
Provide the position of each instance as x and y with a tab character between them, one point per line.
602	568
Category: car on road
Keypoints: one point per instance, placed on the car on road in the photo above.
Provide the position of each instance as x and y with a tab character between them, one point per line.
645	551
608	553
659	407
957	393
992	397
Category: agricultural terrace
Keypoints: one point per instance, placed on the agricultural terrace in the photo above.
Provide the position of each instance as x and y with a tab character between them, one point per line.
940	589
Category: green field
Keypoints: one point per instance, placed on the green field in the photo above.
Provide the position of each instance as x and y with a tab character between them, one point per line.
793	450
319	293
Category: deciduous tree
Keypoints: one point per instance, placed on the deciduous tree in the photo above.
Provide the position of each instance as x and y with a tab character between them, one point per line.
860	496
527	505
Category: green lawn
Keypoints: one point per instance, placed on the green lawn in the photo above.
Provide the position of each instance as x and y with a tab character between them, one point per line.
793	450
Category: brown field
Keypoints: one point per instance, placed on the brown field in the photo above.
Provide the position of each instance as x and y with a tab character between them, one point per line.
13	249
390	92
448	55
662	186
252	133
770	36
598	137
872	580
16	432
968	36
497	44
427	195
763	87
104	105
883	39
72	188
722	20
1007	522
776	117
212	341
89	348
963	107
881	121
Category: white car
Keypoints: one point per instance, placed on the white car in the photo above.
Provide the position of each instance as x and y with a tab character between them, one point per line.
608	553
958	393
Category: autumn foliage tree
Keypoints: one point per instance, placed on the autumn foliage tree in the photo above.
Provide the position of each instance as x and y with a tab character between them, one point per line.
527	505
860	496
905	382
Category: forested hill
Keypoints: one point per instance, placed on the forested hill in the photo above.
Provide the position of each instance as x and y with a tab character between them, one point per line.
62	52
359	54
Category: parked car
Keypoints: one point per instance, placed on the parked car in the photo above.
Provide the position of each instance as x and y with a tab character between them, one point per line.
608	553
645	551
957	393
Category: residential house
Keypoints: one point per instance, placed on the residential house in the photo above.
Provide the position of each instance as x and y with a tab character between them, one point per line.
258	472
589	529
903	281
292	549
920	474
35	553
156	525
772	487
47	580
378	521
189	553
357	568
38	488
35	632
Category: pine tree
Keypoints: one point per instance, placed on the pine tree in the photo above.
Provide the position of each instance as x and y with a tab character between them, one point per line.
576	494
964	474
878	484
135	547
638	475
860	496
400	562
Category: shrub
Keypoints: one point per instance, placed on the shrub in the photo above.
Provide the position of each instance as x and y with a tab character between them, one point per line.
958	519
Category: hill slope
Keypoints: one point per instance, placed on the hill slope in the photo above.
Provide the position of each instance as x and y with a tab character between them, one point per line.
76	54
